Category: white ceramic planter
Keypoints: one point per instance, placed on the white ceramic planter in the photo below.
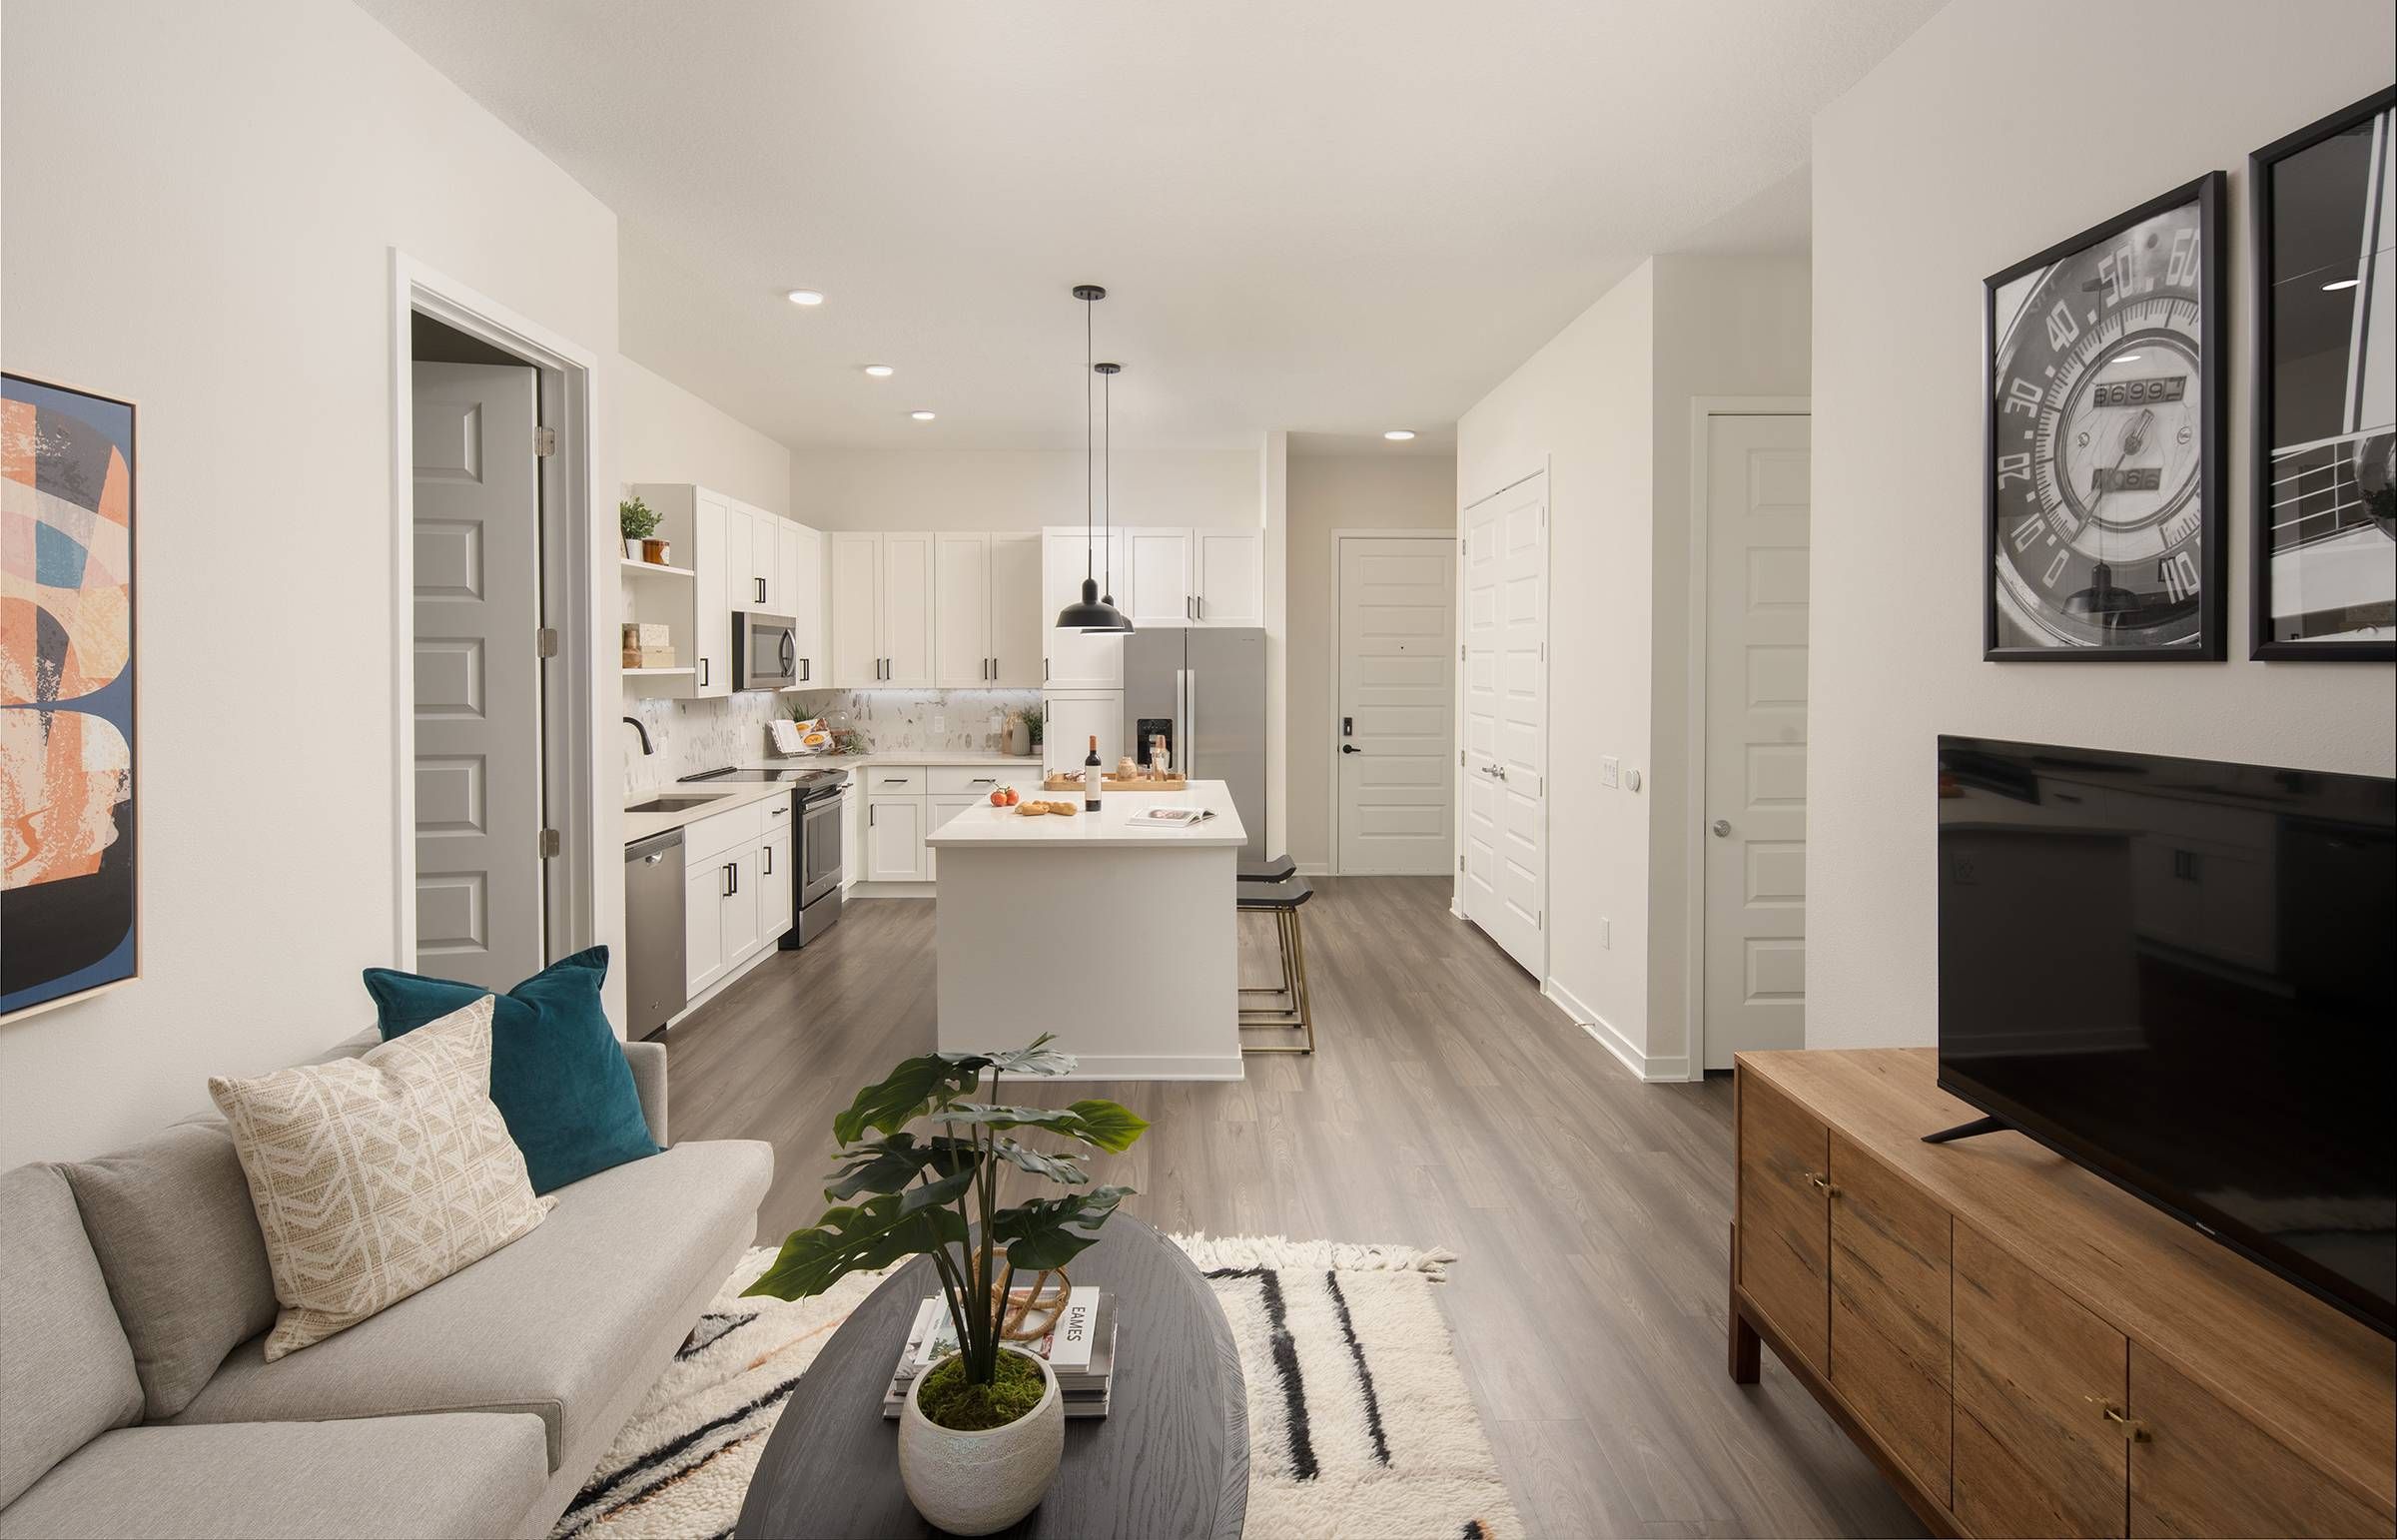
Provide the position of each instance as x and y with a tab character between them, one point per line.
632	550
978	1483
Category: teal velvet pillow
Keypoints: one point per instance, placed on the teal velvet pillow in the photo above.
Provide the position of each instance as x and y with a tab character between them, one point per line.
558	1073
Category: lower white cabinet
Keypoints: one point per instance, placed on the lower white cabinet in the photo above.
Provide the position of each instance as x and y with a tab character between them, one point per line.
853	836
1077	716
895	838
775	887
703	888
736	888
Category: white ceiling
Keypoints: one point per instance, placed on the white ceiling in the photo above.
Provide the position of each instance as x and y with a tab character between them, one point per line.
1334	217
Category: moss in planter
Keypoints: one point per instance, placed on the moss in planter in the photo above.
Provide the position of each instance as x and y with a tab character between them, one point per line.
951	1403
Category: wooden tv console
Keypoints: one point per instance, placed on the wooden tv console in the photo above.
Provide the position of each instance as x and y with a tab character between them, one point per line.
2025	1349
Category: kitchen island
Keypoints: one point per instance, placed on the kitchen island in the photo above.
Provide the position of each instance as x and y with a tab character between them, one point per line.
1118	938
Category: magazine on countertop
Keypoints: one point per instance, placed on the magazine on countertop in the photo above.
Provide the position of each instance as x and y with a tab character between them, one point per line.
1169	817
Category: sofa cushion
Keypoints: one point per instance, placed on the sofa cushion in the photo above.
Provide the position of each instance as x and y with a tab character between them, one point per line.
171	1221
554	1324
66	1370
467	1474
558	1071
377	1176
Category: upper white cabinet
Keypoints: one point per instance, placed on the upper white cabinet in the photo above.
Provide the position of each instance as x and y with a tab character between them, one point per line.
986	609
1229	578
743	560
799	565
1157	588
882	607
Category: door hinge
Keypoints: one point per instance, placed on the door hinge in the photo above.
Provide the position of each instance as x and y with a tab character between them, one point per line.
1539	919
1460	863
1460	652
549	844
544	642
1460	764
545	443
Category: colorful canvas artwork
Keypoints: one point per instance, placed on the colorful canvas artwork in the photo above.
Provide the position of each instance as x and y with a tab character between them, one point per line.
67	894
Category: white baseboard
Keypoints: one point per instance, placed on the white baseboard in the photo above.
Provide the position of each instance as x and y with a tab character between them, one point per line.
1314	868
1665	1066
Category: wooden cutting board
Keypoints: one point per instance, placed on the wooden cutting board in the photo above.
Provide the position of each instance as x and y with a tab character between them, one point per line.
1062	782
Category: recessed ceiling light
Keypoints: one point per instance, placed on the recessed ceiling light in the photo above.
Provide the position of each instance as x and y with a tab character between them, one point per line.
1399	434
879	370
804	297
2345	282
920	416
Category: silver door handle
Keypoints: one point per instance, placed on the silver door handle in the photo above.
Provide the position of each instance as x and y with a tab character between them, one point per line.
653	858
1498	771
1722	826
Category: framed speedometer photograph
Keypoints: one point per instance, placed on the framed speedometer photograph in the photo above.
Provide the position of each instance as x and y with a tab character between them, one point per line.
2104	451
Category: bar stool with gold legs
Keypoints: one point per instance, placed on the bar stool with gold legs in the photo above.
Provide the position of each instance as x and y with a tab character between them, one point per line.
1282	899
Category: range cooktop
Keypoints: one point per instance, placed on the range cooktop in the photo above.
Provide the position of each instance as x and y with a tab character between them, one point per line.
816	781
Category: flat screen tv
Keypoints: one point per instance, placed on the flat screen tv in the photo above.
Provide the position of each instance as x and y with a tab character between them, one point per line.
2183	976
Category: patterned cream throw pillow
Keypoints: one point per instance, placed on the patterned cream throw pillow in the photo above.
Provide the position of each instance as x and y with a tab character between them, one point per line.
379	1175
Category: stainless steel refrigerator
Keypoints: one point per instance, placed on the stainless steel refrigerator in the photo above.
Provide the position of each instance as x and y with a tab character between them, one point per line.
1203	689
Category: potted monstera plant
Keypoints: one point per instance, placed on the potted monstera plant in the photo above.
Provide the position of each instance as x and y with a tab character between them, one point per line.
982	1430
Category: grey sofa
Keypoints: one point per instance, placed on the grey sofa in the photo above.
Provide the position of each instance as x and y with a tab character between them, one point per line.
135	1398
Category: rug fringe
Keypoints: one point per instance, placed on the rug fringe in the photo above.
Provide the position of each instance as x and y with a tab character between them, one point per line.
1279	1251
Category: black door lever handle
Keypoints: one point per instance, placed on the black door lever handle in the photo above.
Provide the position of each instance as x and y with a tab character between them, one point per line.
1350	748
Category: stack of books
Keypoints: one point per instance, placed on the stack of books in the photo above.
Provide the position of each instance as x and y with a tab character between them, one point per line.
1080	1349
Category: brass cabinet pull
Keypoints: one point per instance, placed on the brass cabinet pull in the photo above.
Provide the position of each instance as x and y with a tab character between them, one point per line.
2130	1427
1821	1183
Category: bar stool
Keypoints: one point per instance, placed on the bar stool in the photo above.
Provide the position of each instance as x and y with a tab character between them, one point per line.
1282	899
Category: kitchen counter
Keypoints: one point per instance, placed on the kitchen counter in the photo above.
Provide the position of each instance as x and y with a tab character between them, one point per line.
1121	941
1111	826
723	796
1030	763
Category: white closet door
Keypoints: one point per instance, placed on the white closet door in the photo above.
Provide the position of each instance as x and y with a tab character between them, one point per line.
1504	886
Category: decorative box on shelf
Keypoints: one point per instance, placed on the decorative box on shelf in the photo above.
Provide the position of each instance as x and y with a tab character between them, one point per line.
648	644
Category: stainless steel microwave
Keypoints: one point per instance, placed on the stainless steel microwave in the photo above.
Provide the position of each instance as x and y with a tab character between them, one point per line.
765	653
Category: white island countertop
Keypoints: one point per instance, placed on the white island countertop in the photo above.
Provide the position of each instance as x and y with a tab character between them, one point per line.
1109	829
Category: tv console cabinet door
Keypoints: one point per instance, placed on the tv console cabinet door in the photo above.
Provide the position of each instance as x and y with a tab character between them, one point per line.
1785	1217
2041	1388
2200	1468
1889	1311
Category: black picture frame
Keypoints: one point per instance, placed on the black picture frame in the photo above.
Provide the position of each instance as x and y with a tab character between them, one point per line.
2208	194
2260	165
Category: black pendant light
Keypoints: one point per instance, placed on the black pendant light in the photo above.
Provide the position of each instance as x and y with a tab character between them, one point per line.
1090	612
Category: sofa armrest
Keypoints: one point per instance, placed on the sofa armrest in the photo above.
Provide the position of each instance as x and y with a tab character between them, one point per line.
648	1061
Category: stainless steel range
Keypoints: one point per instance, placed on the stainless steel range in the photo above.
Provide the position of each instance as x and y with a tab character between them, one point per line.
816	874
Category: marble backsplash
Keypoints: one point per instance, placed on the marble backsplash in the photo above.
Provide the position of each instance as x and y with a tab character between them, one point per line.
694	735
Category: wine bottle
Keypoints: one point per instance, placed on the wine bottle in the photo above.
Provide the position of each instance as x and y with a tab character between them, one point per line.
1090	778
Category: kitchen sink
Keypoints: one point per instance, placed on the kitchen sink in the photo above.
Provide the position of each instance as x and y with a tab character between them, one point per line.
672	804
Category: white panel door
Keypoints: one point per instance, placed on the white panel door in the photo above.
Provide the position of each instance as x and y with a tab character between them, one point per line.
803	579
1757	483
1075	717
1504	885
479	892
961	620
1077	660
743	912
894	839
1018	625
765	563
1229	579
907	610
854	608
1157	586
1395	753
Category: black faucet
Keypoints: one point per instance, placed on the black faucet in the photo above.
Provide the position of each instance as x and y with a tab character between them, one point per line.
634	723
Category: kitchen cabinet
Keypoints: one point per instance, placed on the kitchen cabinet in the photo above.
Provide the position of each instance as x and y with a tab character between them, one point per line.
895	838
1077	660
986	609
882	608
736	888
703	885
776	888
1158	587
1229	578
1075	716
853	836
740	543
800	565
1785	1217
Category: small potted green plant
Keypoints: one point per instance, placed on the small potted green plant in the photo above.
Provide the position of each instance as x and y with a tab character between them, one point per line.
1035	717
982	1430
638	521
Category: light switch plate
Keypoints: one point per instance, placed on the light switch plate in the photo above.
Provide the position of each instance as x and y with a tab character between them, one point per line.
940	724
1606	933
1610	771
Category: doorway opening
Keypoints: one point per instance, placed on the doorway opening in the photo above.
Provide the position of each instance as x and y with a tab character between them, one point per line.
1393	681
1750	483
494	823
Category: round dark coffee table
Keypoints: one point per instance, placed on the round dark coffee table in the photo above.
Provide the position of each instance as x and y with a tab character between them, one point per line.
1170	1461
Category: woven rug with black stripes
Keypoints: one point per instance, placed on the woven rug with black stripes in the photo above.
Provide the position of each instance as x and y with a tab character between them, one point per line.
1360	1422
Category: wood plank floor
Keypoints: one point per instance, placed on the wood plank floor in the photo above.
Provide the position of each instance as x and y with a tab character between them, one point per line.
1448	1104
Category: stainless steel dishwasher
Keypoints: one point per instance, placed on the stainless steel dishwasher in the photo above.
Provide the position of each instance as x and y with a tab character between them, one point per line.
654	962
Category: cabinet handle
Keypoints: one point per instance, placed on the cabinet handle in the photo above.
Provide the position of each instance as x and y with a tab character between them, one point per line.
1821	1183
761	589
703	673
768	851
2130	1427
871	810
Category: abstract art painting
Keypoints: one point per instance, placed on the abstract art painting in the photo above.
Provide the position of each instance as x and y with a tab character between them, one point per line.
67	892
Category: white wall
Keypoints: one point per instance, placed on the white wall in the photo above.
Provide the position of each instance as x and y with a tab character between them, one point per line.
1725	326
199	209
1921	185
1017	488
665	433
1328	492
1584	406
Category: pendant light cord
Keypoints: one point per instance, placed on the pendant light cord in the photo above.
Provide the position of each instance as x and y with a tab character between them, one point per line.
1090	442
1107	414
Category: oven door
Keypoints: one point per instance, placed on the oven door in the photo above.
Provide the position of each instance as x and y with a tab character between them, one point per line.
767	657
819	850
